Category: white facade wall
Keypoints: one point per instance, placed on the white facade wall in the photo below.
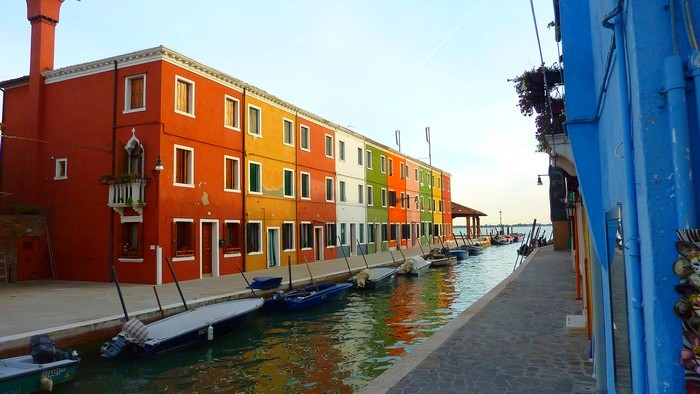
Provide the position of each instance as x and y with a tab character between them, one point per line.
351	213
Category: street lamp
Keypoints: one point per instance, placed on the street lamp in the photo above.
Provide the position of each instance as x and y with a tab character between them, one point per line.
539	180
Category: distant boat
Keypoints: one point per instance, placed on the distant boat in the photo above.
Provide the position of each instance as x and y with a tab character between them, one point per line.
459	253
183	330
309	296
440	257
517	237
44	368
414	265
375	278
501	240
473	250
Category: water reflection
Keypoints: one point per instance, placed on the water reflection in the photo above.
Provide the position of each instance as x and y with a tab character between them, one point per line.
337	348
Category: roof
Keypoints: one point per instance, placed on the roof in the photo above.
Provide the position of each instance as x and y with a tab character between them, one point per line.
461	211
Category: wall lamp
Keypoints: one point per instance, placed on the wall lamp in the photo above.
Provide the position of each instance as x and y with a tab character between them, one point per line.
539	180
159	164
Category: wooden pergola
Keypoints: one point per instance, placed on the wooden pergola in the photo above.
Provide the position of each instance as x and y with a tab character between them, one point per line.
473	218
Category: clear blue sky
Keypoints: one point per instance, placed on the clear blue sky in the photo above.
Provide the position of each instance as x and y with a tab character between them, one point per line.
374	66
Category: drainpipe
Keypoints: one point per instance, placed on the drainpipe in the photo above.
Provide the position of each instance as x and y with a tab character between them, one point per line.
682	162
244	193
114	142
1	133
630	223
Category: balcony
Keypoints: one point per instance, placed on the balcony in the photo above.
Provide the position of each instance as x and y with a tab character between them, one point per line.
127	194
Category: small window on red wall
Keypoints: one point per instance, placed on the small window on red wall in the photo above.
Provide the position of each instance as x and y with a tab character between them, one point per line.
183	239
131	241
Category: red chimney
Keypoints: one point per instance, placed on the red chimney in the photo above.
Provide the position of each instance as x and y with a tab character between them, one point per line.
43	16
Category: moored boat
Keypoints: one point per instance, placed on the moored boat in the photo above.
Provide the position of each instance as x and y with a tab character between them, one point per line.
373	278
413	265
440	258
473	250
307	297
265	282
182	330
459	253
501	240
44	368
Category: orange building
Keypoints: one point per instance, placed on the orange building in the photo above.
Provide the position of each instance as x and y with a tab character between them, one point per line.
399	232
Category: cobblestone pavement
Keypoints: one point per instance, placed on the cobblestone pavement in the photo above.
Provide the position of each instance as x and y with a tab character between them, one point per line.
515	343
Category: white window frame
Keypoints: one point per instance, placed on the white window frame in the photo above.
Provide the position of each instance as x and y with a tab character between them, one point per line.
284	180
303	129
259	134
301	224
260	234
294	236
190	96
330	182
341	150
383	197
415	174
369	159
185	220
402	169
342	191
190	166
382	164
360	194
328	144
236	176
261	180
360	157
306	175
391	167
370	195
226	222
236	115
284	131
61	169
127	93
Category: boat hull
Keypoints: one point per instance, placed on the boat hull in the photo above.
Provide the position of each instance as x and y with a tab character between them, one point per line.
460	254
378	277
21	375
308	297
265	282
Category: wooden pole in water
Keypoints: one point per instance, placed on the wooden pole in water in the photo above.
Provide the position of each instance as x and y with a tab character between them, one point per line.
310	274
160	308
119	291
289	268
344	256
246	280
363	255
172	271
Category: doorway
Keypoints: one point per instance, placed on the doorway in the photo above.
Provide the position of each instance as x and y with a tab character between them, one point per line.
318	243
206	248
353	243
273	247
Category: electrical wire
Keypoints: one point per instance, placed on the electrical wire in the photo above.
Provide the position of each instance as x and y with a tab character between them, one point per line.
690	32
16	137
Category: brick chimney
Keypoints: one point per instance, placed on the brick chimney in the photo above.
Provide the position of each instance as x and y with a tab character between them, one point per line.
43	16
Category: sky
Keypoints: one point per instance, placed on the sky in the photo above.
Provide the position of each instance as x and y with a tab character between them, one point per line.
371	66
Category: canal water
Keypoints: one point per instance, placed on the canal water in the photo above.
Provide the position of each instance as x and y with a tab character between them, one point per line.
336	348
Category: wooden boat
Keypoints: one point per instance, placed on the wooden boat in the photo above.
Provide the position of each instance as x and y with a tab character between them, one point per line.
473	250
501	240
182	330
45	367
440	258
375	278
517	237
414	265
459	253
265	282
309	296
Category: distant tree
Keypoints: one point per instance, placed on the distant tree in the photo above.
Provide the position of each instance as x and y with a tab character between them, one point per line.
543	98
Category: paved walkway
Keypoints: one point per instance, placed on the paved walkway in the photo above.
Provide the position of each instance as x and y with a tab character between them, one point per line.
513	340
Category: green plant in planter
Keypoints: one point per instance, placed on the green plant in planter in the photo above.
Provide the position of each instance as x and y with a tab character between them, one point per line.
107	179
128	202
129	177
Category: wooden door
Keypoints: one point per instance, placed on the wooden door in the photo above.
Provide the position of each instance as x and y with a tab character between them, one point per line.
28	259
206	248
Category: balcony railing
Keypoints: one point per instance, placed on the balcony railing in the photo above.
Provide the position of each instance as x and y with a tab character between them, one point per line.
127	194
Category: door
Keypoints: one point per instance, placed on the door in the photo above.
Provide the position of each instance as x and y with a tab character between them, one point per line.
28	259
273	247
206	248
353	242
318	243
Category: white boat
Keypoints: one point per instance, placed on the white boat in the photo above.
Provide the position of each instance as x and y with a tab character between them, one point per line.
414	265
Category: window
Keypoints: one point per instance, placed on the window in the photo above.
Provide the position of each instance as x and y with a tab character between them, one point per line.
392	198
391	166
382	164
307	236
330	193
384	232
305	185
232	237
360	194
422	203
231	113
343	238
288	236
254	178
408	172
362	233
341	191
341	150
131	240
415	174
421	177
254	121
183	238
383	197
393	232
402	205
304	138
329	146
184	96
360	155
439	182
432	181
61	169
254	237
416	200
232	174
371	235
401	170
287	132
331	234
288	182
440	206
135	99
369	160
184	166
370	195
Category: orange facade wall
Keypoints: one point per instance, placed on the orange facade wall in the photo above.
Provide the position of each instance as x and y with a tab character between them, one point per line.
396	182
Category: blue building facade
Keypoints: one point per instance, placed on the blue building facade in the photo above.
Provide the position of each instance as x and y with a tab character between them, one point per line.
632	80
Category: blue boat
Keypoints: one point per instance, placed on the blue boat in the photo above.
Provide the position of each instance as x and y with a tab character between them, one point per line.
183	330
265	282
474	250
459	253
308	297
375	278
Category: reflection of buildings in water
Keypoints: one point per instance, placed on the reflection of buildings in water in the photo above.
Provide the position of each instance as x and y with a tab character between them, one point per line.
445	288
406	306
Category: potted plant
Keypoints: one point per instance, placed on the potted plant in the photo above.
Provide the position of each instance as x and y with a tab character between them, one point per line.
107	179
